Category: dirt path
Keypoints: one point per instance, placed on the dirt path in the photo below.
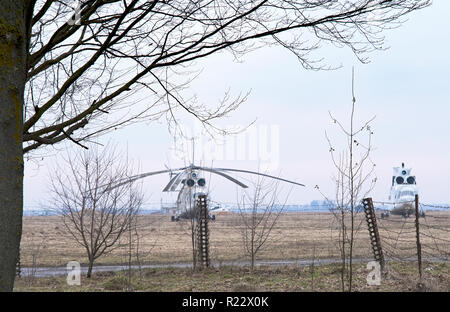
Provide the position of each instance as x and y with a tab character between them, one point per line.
58	271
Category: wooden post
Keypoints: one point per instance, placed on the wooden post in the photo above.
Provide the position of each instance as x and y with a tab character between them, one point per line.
419	246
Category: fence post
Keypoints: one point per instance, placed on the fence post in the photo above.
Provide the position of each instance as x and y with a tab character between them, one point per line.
375	239
202	232
419	246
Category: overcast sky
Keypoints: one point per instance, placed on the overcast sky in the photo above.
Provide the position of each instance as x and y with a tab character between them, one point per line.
406	87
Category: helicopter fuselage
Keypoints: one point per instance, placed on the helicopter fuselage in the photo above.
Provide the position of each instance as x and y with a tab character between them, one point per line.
403	192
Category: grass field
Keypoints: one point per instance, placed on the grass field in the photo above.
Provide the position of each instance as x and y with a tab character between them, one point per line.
400	277
296	236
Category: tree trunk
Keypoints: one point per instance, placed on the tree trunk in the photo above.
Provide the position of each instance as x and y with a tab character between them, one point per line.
253	239
12	81
253	260
343	253
89	272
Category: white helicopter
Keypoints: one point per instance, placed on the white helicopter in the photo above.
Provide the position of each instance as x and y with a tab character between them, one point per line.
189	184
403	192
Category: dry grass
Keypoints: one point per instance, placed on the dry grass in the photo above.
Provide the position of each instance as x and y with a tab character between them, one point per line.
401	277
296	236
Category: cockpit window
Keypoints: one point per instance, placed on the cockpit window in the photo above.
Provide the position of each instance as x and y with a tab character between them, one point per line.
406	193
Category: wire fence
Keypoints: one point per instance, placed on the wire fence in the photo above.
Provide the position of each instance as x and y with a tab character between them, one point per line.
317	235
423	235
296	236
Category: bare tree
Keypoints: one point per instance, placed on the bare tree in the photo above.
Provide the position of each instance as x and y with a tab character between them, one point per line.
35	250
95	214
69	73
259	212
354	179
137	232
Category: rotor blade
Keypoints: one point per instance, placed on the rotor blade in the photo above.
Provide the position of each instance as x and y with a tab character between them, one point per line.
177	182
173	183
166	189
213	170
141	176
258	173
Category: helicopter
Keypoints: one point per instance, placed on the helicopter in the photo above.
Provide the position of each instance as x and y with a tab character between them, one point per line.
403	191
189	183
